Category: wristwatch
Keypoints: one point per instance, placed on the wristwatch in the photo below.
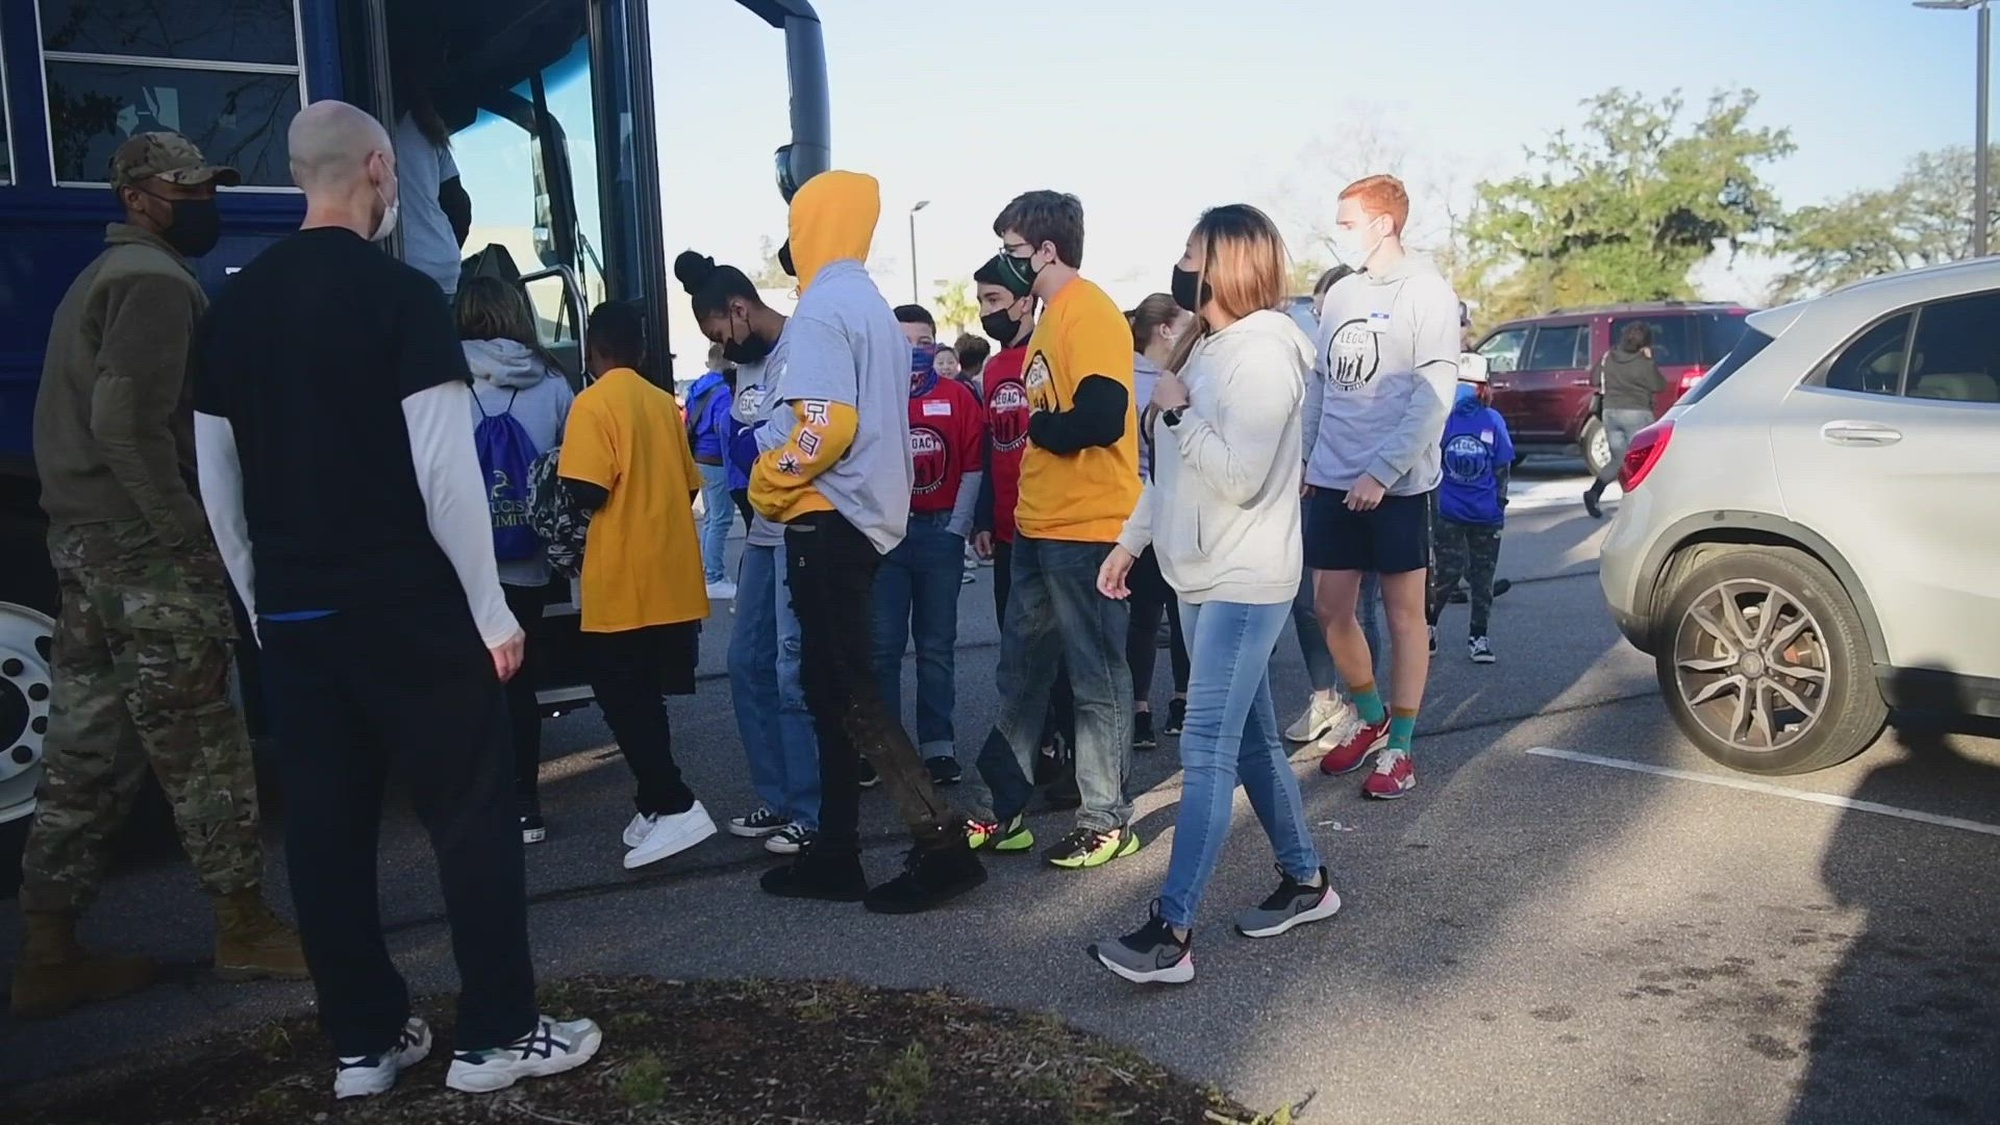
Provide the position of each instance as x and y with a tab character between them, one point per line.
1172	417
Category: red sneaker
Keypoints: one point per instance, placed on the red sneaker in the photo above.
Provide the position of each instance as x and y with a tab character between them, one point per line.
1394	776
1349	755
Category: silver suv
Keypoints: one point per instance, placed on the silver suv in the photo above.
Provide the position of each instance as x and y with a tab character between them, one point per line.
1812	535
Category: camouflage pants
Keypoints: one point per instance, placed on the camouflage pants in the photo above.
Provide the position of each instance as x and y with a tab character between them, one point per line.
1468	551
141	677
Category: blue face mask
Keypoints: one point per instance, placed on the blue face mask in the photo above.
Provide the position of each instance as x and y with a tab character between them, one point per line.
922	357
1466	391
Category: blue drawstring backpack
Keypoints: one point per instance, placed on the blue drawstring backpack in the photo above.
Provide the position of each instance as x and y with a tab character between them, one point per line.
506	454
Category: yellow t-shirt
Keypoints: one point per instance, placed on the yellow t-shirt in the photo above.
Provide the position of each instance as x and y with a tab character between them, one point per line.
641	559
1084	497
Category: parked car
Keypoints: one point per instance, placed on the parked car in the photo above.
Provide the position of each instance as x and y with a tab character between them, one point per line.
1810	537
1544	368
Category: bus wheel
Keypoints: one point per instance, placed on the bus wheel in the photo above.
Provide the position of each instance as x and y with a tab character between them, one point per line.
25	637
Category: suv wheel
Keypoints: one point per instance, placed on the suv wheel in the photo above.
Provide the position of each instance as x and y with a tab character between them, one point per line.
1764	664
1595	445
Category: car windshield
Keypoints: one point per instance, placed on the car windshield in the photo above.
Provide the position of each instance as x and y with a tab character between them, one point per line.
1748	343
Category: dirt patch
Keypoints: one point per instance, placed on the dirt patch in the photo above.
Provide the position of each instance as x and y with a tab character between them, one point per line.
686	1053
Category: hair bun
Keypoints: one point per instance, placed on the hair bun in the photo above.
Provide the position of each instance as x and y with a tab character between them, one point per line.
693	270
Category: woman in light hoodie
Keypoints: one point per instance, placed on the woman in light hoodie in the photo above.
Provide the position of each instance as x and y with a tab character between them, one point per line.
512	373
1222	513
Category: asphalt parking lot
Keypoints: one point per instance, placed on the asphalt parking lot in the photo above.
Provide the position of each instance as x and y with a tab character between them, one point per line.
1575	918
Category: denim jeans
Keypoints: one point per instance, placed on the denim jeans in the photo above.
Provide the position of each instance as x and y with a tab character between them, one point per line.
771	714
1312	639
1231	735
916	594
717	507
1620	426
1055	612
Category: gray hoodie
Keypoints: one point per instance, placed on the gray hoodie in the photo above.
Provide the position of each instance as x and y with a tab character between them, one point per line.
1145	373
1629	380
508	376
1387	373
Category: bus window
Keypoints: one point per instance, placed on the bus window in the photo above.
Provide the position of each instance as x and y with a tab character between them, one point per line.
227	77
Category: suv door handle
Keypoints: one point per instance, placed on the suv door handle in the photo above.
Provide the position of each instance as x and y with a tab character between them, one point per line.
1583	381
1860	433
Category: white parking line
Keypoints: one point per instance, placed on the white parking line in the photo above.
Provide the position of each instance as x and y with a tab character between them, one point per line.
1768	789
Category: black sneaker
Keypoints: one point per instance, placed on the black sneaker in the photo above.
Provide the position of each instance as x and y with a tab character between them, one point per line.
931	877
944	769
1142	731
1149	955
1049	761
815	874
869	778
1176	718
1292	904
1062	793
533	828
1502	585
1590	505
1459	596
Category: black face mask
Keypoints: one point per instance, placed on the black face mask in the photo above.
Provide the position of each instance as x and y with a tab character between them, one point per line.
1001	326
751	349
785	260
196	227
1184	291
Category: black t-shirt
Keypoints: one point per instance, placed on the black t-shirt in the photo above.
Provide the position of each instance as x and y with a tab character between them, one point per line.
309	353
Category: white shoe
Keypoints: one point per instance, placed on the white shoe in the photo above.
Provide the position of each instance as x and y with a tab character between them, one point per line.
636	830
362	1076
723	591
551	1048
1317	720
671	835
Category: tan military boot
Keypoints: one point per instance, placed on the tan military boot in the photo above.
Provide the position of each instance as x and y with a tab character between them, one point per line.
56	974
252	943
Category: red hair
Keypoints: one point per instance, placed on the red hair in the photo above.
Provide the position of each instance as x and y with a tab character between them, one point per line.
1382	195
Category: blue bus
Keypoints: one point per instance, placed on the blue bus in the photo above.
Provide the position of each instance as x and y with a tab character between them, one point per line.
551	109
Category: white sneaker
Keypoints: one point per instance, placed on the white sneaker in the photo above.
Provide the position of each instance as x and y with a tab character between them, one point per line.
362	1076
551	1048
723	591
636	830
1317	720
671	835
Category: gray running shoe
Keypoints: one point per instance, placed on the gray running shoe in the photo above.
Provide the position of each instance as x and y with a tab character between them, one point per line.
1292	904
1149	955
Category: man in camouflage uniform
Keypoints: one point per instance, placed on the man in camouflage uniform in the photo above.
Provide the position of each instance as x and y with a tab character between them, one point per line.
141	658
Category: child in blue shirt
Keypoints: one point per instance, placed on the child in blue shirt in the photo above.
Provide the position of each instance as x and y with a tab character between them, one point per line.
1472	506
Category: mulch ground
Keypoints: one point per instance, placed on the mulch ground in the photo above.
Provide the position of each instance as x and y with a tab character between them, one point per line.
685	1053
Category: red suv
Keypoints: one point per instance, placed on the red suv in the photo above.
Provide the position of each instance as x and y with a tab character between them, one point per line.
1543	369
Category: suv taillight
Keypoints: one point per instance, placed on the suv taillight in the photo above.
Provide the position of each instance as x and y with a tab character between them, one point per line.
1644	452
1689	378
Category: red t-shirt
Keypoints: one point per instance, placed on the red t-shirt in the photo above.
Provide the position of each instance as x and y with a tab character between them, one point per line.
947	437
1007	412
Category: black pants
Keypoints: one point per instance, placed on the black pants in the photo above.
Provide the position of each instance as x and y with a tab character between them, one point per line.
1062	698
1150	597
349	694
742	498
830	569
524	713
629	672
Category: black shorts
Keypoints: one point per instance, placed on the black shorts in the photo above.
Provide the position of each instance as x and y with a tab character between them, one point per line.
1395	538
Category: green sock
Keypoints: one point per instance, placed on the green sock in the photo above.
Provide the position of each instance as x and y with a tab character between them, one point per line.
1368	702
1401	728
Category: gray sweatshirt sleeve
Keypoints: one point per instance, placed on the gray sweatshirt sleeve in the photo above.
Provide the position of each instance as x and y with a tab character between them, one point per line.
1315	408
968	503
1434	319
1138	532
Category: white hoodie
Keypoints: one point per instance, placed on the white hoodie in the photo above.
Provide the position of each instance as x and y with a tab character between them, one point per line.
1222	509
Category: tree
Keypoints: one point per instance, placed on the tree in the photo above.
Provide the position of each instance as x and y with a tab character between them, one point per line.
1624	211
770	275
1924	219
955	308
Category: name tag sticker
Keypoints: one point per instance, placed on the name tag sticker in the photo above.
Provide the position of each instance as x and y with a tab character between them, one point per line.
1486	436
937	410
1378	322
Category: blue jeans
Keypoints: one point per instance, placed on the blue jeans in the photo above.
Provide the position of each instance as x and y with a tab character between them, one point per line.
771	714
916	594
1232	735
1312	639
717	508
1054	613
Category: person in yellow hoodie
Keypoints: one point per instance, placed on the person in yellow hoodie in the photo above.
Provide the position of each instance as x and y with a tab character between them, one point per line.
834	468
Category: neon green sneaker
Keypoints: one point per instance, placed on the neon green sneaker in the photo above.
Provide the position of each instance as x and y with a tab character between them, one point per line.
1085	847
1014	836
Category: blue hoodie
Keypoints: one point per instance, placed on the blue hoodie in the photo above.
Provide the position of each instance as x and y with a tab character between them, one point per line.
1478	453
712	429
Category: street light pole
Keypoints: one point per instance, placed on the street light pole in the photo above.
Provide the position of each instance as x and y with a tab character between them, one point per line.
1982	213
916	293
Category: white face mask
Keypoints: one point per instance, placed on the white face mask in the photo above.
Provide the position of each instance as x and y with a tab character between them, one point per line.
391	209
1356	245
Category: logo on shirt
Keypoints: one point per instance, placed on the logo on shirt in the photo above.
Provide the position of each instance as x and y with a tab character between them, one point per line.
1353	356
1007	415
929	460
1467	459
1037	379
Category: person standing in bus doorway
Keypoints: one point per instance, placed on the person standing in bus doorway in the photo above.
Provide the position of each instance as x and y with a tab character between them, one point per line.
436	216
516	383
342	483
141	659
1079	483
771	716
626	459
1388	344
835	470
709	428
916	590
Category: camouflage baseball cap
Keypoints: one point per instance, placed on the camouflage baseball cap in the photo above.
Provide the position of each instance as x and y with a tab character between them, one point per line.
169	156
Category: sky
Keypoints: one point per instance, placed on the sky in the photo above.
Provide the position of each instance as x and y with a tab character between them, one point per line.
1151	112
